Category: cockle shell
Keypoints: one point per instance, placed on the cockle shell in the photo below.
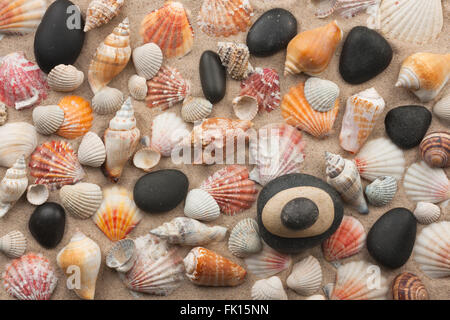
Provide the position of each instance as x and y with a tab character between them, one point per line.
269	289
21	16
244	238
435	149
408	286
147	60
306	276
432	249
311	51
425	74
268	262
77	117
138	87
107	100
122	255
91	151
81	200
13	244
48	119
170	29
37	194
343	175
30	277
13	185
189	232
85	255
65	78
201	205
245	107
321	94
207	268
427	213
235	57
168	131
381	191
195	109
3	114
18	138
118	215
111	57
100	12
23	84
55	164
346	8
362	112
442	108
146	159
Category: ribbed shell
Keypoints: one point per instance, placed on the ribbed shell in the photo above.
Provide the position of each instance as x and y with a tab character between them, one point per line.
107	100
147	60
201	205
13	244
137	86
435	149
122	255
18	138
168	130
13	185
48	119
427	213
442	108
100	12
306	276
244	239
21	16
37	194
91	151
381	191
321	94
235	57
81	200
77	117
65	78
346	8
408	286
269	289
195	109
268	262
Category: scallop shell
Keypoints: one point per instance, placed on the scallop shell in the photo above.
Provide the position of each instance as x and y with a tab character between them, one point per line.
427	213
3	114
435	149
55	164
22	83
170	29
195	109
146	159
81	200
306	276
269	289
432	250
168	130
147	60
380	157
18	138
442	108
37	194
65	78
13	185
321	94
244	238
107	100
381	191
201	205
30	277
346	8
13	244
408	286
138	87
122	255
77	117
21	16
426	184
100	12
207	268
268	262
48	119
91	151
235	57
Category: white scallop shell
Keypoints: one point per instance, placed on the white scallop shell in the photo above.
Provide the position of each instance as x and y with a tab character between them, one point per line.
146	159
48	119
427	213
13	244
91	151
306	276
269	289
321	94
381	191
244	238
168	130
37	194
268	262
122	255
107	100
245	107
201	205
195	109
82	199
137	86
442	108
18	138
147	60
65	78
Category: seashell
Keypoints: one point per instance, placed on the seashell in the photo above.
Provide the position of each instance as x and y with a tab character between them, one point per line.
411	21
321	94
18	138
268	262
343	175
100	12
23	84
13	185
13	244
316	297
201	205
426	184
347	241
146	159
37	194
48	119
77	117
65	78
158	268
297	112
279	151
170	29
81	200
147	60
381	191
346	8
427	213
235	56
189	232
442	108
432	248
244	238
21	16
91	151
306	276
111	57
245	107
269	289
408	286
3	114
380	157
207	268
121	139
425	74
231	189
362	112
168	130
138	87
55	164
219	18
84	253
166	88
107	100
435	149
355	281
311	51
195	109
122	255
30	277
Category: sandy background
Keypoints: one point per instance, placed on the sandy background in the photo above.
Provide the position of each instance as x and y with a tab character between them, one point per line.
109	285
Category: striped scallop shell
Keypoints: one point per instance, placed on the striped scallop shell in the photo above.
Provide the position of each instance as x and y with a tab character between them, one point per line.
201	205
442	108
427	213
244	239
381	191
91	151
122	255
48	119
37	194
268	262
108	100
306	276
77	117
21	16
235	57
81	200
321	94
147	60
435	149
408	286
195	109
269	289
65	78
100	12
168	131
138	87
13	244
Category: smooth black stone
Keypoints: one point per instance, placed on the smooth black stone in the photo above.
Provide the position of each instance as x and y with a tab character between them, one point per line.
391	239
47	224
271	32
299	213
160	191
212	76
56	40
407	125
365	55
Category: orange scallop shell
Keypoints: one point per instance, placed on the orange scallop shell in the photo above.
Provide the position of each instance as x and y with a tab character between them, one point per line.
77	117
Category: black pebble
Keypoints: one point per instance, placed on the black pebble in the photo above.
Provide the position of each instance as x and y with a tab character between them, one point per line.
271	32
407	125
212	76
47	224
299	213
365	55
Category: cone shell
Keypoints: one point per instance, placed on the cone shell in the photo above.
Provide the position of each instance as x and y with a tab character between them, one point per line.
55	164
122	255
100	12
30	277
170	29
37	194
201	205
269	289
244	238
346	8
321	94
306	276
268	262
13	185
381	191
18	138
311	51
111	57
427	213
442	108
3	114
77	117
408	286
21	16
85	254
195	109
297	112
138	87
65	78
146	159
91	151
235	57
435	149
13	244
107	100
48	119
147	60
81	200
168	130
207	268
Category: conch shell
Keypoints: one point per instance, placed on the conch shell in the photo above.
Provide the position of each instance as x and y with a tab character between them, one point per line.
100	12
13	185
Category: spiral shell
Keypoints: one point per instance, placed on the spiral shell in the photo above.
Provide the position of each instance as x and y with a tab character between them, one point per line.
195	109
13	244
435	149
235	57
408	286
81	200
138	87
306	276
91	151
107	100
269	289
147	60
13	185
65	78
427	213
381	191
244	238
100	12
48	119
